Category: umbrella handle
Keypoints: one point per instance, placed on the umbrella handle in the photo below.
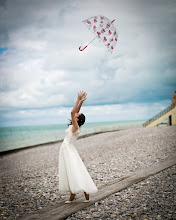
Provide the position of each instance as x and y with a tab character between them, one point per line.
82	49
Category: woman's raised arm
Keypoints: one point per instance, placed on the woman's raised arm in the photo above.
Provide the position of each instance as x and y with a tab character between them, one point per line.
76	108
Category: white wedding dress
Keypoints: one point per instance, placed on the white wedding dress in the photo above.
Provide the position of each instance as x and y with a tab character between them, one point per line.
73	175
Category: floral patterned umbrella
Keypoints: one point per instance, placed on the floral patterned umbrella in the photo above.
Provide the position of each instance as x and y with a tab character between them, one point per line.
104	30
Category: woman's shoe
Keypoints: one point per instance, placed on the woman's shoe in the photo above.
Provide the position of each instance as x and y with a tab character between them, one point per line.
70	201
86	200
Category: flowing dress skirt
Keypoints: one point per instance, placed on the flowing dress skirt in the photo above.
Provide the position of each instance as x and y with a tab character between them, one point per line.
73	175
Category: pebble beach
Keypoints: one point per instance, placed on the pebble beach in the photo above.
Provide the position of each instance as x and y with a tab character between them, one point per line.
29	178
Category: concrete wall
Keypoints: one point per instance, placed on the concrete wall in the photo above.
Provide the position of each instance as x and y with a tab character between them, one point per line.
171	113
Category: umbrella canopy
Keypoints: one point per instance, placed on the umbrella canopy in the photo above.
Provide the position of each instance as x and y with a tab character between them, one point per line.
104	30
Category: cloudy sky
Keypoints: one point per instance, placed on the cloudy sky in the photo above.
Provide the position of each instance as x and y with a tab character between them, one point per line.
42	69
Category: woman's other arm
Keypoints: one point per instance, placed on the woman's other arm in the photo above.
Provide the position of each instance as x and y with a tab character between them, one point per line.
83	98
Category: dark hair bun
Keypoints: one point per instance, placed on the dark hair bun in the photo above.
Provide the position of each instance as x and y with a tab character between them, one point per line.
81	120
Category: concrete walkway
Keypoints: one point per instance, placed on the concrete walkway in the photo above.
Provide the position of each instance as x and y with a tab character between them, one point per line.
61	210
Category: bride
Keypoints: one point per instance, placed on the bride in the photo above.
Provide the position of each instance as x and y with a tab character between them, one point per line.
73	175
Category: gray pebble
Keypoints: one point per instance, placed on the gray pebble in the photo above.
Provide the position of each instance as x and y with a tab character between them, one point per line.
29	178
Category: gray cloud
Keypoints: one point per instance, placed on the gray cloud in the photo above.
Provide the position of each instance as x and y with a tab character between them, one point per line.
43	67
118	112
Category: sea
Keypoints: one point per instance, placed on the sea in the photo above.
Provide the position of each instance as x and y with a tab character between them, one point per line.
12	138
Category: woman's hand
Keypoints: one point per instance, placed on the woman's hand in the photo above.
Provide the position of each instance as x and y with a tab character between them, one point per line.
82	96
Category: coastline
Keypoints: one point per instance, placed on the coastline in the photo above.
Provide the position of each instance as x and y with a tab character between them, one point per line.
2	153
20	138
